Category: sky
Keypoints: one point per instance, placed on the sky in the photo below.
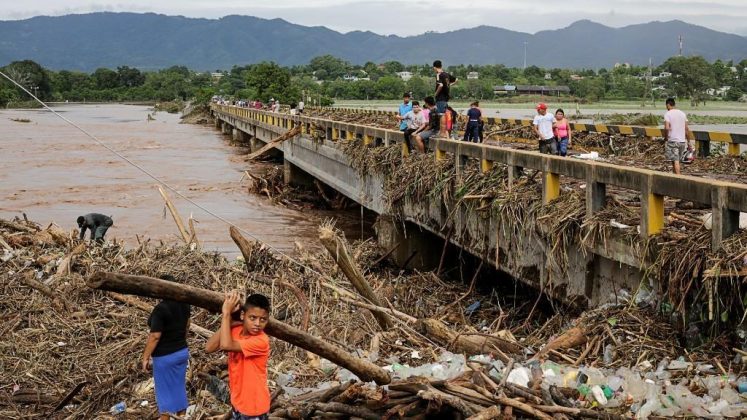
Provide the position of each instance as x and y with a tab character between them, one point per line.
415	17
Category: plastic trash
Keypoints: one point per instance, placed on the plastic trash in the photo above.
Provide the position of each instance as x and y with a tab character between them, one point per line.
608	393
609	354
718	407
584	390
730	395
284	379
472	308
614	383
519	376
118	408
594	376
598	394
679	365
742	387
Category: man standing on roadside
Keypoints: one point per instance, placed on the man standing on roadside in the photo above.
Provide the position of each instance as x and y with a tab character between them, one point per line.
676	133
542	125
404	108
443	81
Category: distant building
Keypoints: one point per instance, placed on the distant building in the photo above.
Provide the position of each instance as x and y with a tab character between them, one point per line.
350	78
623	65
473	75
404	75
576	77
531	90
548	76
718	91
217	75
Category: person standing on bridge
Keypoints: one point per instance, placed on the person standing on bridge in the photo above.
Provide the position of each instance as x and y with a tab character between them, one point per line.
542	124
405	107
676	133
97	223
474	116
562	129
443	81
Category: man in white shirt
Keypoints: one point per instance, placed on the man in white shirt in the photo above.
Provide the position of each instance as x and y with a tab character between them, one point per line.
542	125
676	133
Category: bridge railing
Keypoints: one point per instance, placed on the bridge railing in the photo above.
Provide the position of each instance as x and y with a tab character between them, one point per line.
727	199
703	139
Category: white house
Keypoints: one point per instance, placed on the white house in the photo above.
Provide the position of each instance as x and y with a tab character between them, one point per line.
404	75
473	75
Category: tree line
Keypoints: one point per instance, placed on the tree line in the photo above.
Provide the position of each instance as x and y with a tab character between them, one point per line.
327	78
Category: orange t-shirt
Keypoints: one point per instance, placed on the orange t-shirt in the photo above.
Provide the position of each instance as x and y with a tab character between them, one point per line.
247	373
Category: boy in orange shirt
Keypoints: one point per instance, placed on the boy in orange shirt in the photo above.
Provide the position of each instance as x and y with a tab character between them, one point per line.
248	349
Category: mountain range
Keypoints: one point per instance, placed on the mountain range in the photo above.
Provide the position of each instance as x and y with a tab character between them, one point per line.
151	41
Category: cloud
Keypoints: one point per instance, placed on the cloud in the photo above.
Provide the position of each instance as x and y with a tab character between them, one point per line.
409	18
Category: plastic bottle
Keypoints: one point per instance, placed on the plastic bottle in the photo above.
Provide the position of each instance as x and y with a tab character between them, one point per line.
614	382
118	408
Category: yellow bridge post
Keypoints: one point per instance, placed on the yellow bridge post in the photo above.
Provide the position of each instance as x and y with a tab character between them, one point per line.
486	165
550	187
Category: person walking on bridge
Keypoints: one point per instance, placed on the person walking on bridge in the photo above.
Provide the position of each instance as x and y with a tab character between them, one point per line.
542	125
676	133
97	223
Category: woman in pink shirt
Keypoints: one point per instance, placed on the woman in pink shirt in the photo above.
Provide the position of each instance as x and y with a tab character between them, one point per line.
562	129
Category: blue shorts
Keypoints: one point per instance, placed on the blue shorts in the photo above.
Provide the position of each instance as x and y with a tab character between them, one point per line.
441	107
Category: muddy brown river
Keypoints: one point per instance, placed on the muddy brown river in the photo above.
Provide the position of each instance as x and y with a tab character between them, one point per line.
54	173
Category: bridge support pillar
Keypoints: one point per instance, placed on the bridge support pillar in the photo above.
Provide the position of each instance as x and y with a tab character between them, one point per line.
416	248
293	175
652	210
217	122
596	194
724	222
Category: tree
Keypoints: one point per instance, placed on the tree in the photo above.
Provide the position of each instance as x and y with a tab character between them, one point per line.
270	80
333	67
105	79
691	76
390	87
419	86
130	77
30	75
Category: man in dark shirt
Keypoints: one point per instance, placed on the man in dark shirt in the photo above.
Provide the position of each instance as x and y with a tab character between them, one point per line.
98	223
166	347
443	81
474	116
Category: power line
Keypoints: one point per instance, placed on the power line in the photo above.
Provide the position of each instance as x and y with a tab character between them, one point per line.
163	183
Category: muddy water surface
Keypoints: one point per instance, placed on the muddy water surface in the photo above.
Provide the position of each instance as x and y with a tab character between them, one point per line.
53	173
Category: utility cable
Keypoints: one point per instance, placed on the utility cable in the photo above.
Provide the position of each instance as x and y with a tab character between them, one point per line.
163	183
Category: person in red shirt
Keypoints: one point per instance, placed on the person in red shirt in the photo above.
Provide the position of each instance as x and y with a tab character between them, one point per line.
248	349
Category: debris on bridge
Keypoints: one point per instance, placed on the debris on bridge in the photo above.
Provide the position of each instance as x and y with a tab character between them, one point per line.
71	352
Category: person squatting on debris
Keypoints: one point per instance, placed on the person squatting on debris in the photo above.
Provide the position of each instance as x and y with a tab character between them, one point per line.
443	81
429	130
676	133
97	223
414	121
472	131
562	130
542	125
166	347
248	349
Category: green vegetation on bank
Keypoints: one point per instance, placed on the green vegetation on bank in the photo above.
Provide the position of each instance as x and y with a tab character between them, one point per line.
327	79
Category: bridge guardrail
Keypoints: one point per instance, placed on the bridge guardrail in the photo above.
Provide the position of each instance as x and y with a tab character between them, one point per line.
702	138
727	199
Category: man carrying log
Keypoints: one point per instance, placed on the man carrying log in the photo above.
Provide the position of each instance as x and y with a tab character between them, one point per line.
97	223
248	349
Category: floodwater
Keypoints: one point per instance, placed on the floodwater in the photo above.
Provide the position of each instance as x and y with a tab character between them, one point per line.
54	173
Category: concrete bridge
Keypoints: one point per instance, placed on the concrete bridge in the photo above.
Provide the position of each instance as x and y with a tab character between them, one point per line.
591	274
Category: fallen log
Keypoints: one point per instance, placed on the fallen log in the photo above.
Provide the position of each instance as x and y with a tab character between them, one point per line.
288	135
213	301
337	248
175	215
470	344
